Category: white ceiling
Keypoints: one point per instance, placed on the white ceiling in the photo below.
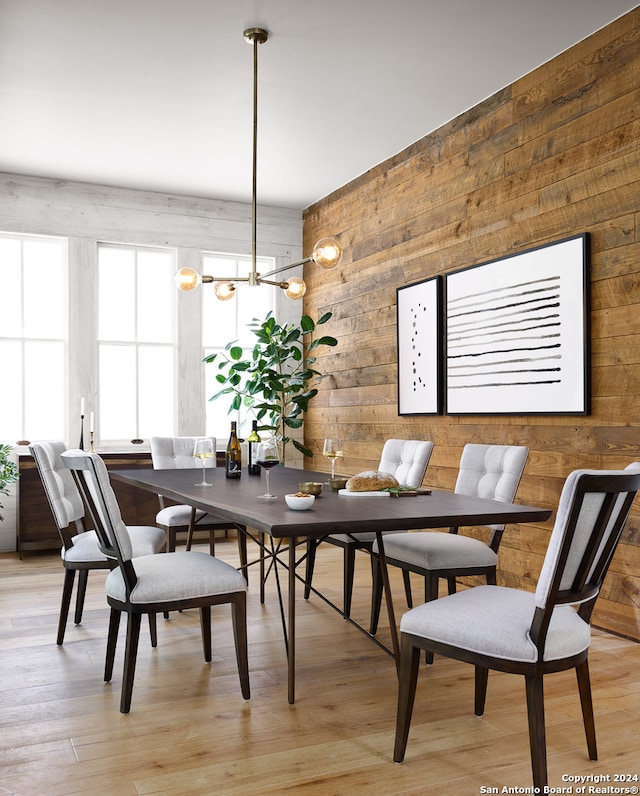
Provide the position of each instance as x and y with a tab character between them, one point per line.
157	94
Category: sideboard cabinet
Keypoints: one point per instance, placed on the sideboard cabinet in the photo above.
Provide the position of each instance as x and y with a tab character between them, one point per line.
35	527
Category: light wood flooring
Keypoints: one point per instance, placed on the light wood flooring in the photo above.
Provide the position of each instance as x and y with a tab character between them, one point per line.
190	731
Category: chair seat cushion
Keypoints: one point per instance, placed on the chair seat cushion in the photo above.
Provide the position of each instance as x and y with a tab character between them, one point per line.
145	540
436	550
495	621
85	549
176	516
176	576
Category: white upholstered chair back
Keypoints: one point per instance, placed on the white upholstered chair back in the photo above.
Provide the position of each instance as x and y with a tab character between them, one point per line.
406	459
491	471
59	486
92	474
589	506
173	453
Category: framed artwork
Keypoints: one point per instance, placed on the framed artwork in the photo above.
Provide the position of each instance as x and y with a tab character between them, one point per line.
517	333
419	326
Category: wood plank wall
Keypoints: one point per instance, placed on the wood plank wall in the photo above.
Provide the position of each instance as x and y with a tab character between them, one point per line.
553	155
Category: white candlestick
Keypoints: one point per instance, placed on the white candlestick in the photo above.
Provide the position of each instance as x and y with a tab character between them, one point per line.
82	406
91	422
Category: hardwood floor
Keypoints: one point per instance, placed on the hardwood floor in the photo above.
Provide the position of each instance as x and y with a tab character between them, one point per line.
190	731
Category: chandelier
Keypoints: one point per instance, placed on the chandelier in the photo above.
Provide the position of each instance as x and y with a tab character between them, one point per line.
327	252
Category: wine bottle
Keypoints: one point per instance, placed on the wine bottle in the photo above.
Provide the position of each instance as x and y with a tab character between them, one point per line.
233	456
253	440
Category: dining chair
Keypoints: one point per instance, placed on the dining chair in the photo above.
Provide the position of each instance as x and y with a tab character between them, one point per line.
407	460
80	549
153	584
520	632
174	453
486	471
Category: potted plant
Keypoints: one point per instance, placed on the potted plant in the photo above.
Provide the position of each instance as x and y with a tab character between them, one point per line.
277	378
8	472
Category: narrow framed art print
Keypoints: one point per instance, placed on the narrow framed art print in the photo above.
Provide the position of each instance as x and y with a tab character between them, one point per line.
419	330
517	333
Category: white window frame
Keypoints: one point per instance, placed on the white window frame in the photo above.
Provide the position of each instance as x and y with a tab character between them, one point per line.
22	339
136	345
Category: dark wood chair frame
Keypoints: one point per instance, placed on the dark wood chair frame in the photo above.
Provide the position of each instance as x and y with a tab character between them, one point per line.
584	590
81	567
134	611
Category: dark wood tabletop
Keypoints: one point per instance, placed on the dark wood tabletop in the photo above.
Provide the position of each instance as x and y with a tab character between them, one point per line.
238	501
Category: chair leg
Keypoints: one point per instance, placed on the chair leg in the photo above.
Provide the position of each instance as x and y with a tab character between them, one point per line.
482	676
212	543
242	554
130	655
451	585
584	687
192	520
408	679
406	577
348	573
312	546
153	629
537	739
239	622
67	589
430	593
205	629
83	574
171	540
112	640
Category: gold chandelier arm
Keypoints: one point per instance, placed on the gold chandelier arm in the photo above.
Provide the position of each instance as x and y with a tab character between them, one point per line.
287	267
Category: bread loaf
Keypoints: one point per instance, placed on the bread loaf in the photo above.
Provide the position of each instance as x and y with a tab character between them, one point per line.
370	481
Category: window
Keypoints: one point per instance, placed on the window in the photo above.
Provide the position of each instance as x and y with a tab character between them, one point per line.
226	321
33	336
136	342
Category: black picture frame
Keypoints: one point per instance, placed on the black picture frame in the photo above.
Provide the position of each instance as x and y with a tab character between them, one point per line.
517	333
419	340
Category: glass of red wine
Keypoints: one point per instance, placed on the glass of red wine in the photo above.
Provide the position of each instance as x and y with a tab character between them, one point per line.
268	457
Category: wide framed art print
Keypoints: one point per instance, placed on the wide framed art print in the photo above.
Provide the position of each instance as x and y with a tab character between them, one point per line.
517	333
419	325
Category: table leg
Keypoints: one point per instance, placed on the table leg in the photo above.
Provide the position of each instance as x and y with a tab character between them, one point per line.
384	573
292	621
261	544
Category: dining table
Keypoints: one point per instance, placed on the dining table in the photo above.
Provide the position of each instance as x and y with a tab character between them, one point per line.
286	531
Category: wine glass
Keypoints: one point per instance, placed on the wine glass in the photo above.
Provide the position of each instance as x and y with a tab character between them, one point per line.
203	450
268	457
331	450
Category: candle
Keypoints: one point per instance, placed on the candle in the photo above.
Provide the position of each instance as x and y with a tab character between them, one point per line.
82	405
91	422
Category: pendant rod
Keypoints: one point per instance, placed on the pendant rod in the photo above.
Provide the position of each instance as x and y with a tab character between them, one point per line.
255	36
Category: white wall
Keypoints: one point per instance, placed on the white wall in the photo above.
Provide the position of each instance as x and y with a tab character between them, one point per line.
87	213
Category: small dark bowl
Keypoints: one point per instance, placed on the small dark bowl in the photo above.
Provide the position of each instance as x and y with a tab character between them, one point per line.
337	483
310	487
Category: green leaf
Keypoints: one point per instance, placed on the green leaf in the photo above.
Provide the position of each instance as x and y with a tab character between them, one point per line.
293	422
307	323
301	448
326	340
236	353
324	318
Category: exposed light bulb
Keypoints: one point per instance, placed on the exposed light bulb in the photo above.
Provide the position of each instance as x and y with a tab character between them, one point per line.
224	290
187	279
296	288
327	253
